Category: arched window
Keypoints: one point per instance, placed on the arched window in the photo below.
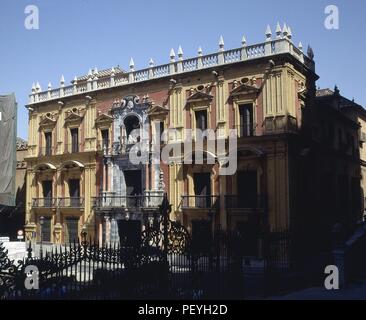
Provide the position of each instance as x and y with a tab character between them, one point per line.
131	123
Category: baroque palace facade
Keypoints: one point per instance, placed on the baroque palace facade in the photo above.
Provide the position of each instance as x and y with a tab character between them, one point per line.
79	176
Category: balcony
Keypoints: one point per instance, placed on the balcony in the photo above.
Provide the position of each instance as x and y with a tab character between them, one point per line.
44	202
46	151
240	202
244	131
150	200
200	202
104	148
70	202
72	148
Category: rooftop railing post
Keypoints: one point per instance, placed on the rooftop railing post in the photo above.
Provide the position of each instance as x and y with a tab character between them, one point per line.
74	88
95	80
220	59
89	81
151	69
112	81
49	91
268	44
180	59
62	86
244	54
131	75
199	59
172	62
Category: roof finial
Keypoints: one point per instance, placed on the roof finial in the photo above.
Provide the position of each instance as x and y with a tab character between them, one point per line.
310	53
49	86
180	53
200	52
278	31
268	33
289	33
284	30
172	55
132	64
38	87
301	46
243	41
336	90
221	44
151	63
33	87
62	81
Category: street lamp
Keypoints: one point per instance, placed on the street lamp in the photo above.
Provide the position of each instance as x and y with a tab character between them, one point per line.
41	223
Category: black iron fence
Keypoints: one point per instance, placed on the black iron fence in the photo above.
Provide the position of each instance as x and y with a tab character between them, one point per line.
162	261
219	268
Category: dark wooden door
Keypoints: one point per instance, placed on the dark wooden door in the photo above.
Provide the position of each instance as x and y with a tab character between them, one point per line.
247	189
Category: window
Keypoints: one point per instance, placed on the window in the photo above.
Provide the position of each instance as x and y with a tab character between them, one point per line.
48	139
74	190
202	190
105	139
45	230
132	123
74	140
47	193
161	127
246	120
72	230
201	120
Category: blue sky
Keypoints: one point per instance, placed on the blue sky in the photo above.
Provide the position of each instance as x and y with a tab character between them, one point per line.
76	35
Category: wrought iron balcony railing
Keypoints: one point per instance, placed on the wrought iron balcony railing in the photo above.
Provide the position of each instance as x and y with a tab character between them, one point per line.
73	148
151	199
46	151
104	147
44	202
200	202
73	202
246	130
242	202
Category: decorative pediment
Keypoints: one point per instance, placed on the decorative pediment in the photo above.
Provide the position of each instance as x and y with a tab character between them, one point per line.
157	110
48	120
74	115
103	119
199	97
243	89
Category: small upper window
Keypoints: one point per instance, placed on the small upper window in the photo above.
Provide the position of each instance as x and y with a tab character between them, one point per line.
201	120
